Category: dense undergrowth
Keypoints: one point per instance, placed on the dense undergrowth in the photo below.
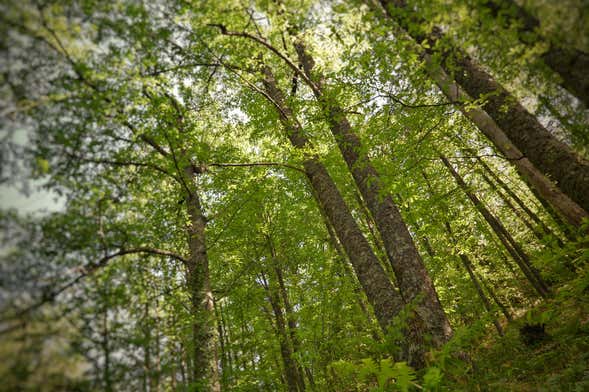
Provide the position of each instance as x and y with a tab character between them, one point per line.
545	348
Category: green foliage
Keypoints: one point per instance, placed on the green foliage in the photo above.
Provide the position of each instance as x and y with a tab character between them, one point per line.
384	375
131	108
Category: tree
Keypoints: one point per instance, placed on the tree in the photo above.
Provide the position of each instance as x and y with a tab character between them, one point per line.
512	129
267	196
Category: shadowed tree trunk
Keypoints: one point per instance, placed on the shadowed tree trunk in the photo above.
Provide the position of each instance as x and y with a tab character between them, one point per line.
515	132
381	294
496	299
293	377
106	351
537	233
569	63
288	314
292	327
376	334
507	240
468	266
225	354
491	173
492	238
413	279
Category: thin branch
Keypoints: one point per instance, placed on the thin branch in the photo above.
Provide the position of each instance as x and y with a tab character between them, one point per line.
257	164
418	105
158	72
269	46
124	163
89	270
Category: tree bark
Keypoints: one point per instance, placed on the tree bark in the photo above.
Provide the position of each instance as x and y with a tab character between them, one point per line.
569	63
515	132
381	294
289	315
496	299
413	279
105	343
205	369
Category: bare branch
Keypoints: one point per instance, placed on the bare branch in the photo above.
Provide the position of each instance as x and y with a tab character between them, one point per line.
52	295
257	164
269	46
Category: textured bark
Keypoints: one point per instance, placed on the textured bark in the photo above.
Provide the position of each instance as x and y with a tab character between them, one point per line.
205	372
569	63
496	299
551	156
382	295
228	370
424	239
515	132
506	239
413	279
480	279
147	376
486	303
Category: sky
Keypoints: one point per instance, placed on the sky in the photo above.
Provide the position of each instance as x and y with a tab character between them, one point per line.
38	201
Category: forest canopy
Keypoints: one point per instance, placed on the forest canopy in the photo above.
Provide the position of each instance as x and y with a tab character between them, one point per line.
295	195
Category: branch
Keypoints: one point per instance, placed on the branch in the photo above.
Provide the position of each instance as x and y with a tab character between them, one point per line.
418	105
257	164
266	44
52	295
158	72
125	163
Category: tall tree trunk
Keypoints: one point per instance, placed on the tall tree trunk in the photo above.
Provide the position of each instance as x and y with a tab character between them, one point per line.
510	244
413	220
491	173
292	326
376	334
222	343
156	379
291	370
414	281
496	299
538	234
381	294
205	370
468	266
289	315
506	261
569	63
147	349
515	132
